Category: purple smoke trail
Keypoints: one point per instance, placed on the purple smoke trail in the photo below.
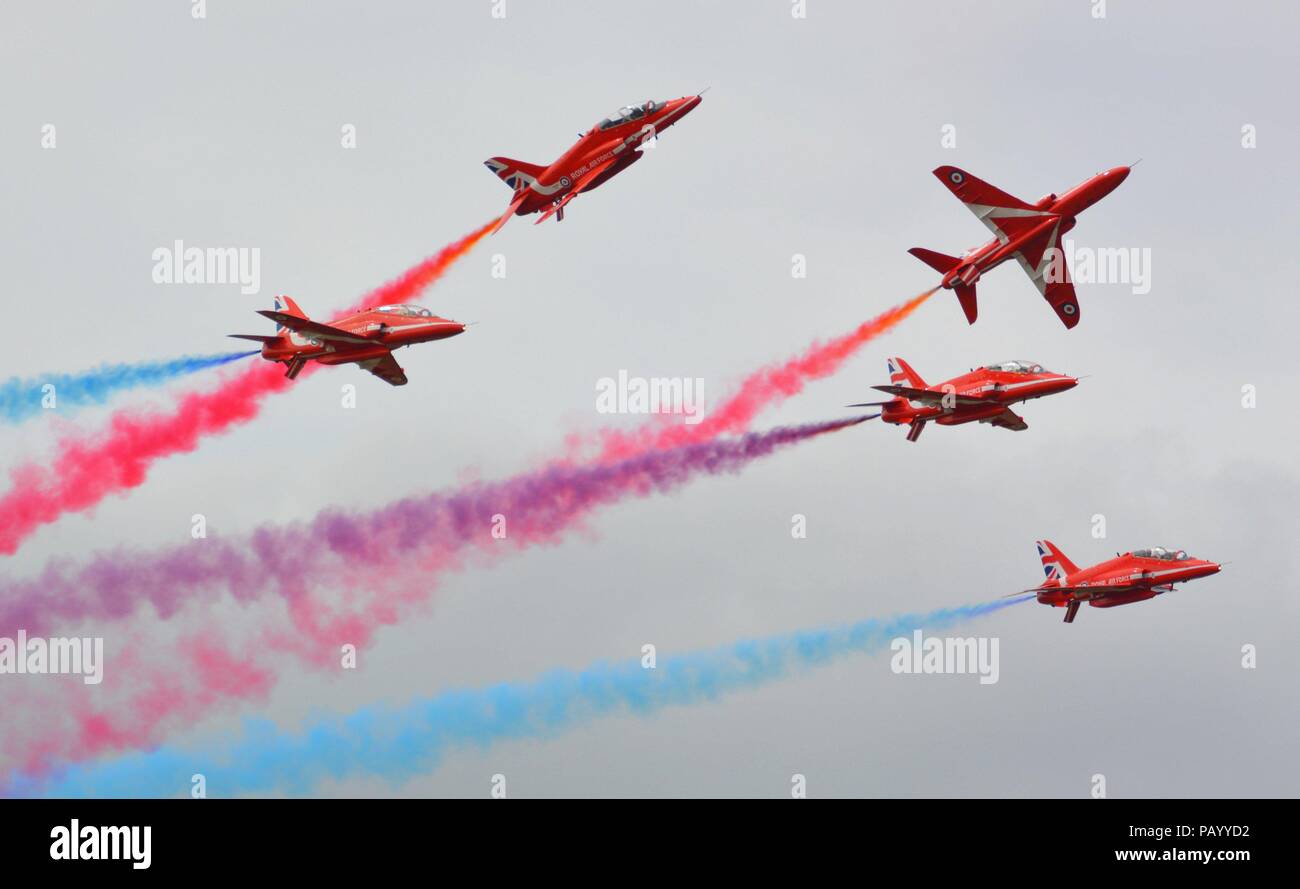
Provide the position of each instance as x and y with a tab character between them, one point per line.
537	506
396	547
292	559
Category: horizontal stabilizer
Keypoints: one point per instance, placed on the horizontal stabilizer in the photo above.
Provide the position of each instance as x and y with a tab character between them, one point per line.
940	262
254	337
520	196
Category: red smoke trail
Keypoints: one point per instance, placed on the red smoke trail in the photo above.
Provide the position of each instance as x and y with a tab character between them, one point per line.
388	560
759	390
541	512
139	700
315	628
90	467
417	278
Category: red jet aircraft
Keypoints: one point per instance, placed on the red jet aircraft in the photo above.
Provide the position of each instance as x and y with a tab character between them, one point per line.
1023	232
367	338
1131	577
983	395
607	149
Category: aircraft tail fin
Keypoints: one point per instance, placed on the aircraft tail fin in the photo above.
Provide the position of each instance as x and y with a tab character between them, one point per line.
283	305
943	264
286	305
901	374
516	174
1056	565
966	296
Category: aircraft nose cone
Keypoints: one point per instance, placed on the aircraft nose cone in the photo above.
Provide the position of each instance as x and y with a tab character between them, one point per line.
1053	385
1121	173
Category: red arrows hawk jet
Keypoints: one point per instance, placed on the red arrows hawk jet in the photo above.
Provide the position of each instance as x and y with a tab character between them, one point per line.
607	149
1024	232
983	395
367	338
1131	577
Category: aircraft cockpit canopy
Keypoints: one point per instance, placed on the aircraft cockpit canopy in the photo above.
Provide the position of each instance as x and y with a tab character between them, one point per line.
407	311
1159	552
1018	367
630	112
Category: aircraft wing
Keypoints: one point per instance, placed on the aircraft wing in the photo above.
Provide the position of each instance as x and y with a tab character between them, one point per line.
927	396
1002	214
1102	589
386	368
584	181
1041	258
1008	419
311	328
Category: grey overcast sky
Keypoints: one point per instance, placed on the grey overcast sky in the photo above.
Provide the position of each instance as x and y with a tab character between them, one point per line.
817	137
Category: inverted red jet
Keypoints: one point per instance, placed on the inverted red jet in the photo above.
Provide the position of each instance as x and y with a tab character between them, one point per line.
1131	577
1023	232
367	338
983	395
606	150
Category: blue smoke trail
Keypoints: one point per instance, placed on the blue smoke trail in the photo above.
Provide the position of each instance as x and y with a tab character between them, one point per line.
400	744
21	399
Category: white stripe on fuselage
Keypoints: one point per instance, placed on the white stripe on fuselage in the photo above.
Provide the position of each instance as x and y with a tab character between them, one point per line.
1118	581
993	387
424	324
